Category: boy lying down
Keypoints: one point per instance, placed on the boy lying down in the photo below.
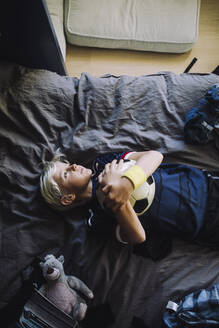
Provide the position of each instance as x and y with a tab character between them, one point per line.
184	202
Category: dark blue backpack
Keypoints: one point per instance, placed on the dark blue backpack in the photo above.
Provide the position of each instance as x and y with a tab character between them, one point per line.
202	122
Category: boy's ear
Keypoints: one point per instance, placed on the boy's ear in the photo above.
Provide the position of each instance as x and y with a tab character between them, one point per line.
67	199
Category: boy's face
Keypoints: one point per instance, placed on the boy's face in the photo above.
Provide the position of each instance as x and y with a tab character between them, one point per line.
71	178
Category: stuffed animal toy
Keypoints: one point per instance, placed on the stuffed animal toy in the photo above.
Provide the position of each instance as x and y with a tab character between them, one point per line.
61	289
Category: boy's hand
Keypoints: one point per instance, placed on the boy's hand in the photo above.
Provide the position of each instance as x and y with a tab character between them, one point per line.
117	190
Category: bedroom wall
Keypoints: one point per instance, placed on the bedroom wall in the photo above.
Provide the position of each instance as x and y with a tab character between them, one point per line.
102	61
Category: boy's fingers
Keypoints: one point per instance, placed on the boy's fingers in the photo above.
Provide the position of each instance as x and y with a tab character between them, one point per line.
113	163
120	164
100	178
107	167
106	189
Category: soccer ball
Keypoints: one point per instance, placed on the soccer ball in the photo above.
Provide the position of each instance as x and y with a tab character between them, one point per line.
141	198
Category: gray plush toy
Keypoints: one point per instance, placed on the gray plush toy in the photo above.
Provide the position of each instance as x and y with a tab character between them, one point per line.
62	289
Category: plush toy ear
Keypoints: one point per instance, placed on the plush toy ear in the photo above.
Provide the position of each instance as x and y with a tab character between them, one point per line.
61	259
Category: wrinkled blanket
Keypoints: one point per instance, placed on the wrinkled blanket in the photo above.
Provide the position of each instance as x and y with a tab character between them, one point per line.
41	111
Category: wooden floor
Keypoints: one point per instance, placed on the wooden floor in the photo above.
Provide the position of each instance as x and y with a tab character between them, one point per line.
102	61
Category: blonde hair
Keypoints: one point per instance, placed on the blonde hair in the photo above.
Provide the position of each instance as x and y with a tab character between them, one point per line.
48	187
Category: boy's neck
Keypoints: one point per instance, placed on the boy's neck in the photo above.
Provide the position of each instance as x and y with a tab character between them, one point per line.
87	194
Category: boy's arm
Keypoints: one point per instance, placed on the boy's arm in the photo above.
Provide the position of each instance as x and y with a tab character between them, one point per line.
118	189
149	160
131	228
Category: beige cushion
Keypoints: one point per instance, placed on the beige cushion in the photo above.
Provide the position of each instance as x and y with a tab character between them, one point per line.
56	11
149	25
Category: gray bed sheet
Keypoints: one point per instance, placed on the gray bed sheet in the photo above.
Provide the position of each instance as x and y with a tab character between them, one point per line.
41	111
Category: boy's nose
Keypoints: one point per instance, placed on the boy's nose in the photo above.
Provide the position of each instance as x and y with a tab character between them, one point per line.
72	167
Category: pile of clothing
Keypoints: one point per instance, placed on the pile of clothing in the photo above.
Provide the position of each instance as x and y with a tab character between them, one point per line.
197	309
202	122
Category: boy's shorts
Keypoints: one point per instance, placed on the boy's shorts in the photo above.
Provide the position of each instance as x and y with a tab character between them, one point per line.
209	234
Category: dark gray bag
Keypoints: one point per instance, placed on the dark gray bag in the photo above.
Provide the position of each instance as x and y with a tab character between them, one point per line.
39	312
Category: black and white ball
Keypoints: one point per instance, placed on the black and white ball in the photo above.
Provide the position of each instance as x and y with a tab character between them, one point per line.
141	198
